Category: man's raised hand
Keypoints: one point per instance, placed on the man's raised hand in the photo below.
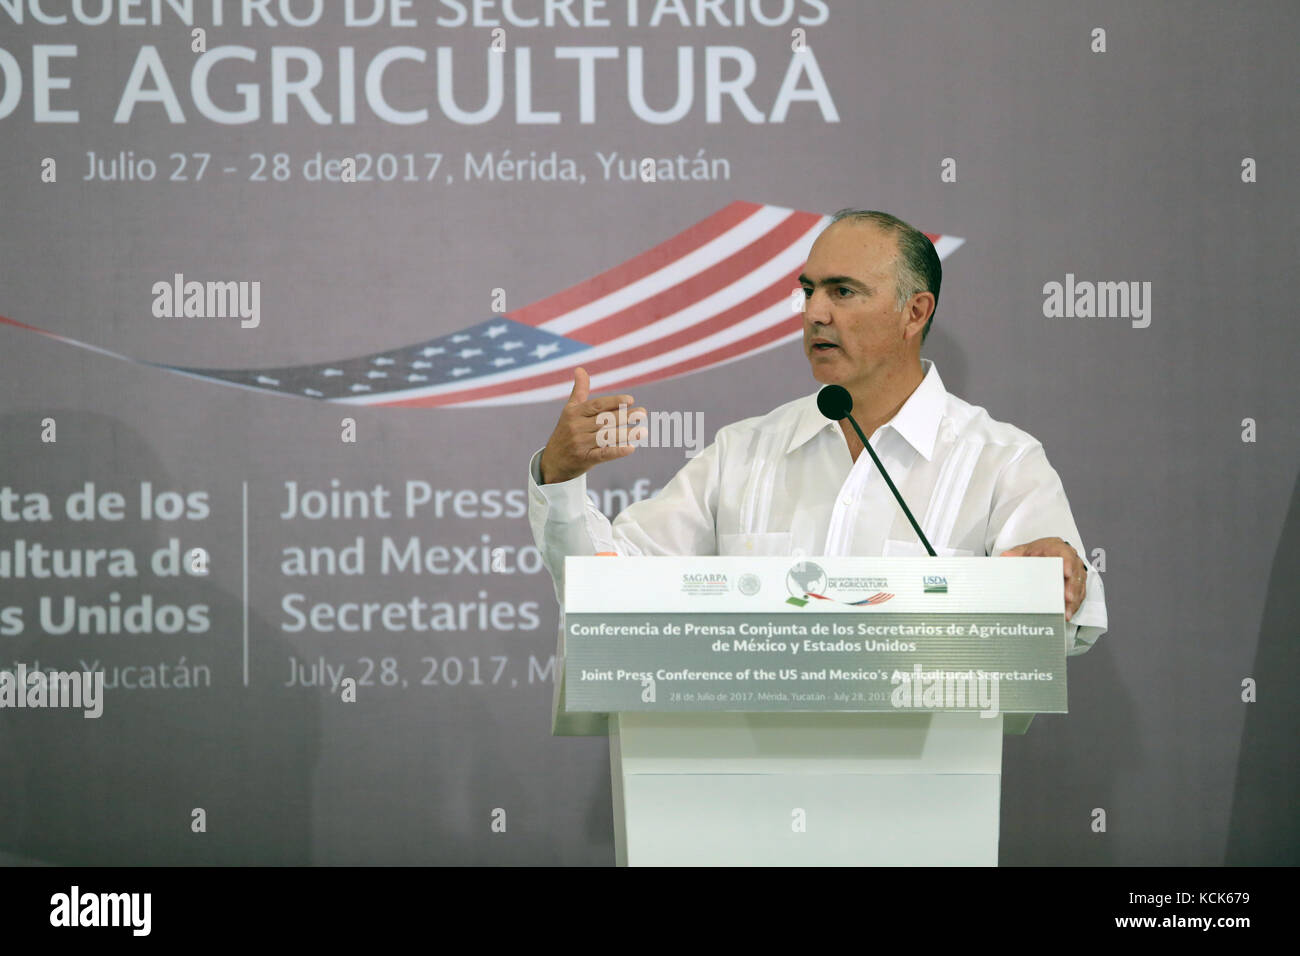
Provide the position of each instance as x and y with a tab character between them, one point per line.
590	430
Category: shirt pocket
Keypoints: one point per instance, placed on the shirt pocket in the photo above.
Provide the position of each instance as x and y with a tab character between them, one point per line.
764	543
913	548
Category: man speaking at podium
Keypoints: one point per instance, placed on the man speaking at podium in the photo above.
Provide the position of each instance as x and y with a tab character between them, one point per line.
794	481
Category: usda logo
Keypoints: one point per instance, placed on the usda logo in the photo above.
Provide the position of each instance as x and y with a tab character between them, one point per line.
935	584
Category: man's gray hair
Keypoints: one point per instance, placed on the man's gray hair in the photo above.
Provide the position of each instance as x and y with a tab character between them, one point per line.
918	268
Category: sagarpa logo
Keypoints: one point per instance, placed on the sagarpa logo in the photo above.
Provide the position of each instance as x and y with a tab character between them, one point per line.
705	582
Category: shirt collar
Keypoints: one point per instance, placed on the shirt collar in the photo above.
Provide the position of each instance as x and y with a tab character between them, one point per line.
917	421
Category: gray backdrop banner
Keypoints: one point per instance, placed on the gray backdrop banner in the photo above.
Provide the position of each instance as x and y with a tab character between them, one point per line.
287	306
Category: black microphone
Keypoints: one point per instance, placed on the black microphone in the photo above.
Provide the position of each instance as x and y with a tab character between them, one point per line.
835	402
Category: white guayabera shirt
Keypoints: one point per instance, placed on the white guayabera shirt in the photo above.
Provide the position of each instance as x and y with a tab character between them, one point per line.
784	483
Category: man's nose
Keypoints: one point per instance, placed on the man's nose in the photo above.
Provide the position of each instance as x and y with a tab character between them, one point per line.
816	307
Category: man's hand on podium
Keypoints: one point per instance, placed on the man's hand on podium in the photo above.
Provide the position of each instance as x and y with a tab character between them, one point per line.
1076	572
590	430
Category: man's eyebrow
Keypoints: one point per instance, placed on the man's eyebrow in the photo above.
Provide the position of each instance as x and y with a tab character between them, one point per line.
836	280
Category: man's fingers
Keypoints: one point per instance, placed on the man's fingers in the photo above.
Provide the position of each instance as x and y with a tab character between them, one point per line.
584	437
593	430
620	436
1073	597
603	421
1074	572
581	385
610	452
1032	550
605	403
1076	588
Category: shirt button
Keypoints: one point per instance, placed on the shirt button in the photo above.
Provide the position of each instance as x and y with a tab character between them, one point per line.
846	501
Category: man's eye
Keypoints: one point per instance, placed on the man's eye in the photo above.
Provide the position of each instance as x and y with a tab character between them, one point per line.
844	290
807	293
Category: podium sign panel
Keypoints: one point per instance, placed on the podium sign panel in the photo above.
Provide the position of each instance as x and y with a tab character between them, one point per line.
832	710
826	634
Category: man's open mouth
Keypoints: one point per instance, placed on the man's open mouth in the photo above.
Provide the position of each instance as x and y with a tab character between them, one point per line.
823	346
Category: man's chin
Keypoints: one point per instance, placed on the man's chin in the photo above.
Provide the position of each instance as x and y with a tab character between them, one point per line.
826	369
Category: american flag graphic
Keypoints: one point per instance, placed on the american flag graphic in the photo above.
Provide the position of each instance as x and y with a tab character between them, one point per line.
720	291
880	597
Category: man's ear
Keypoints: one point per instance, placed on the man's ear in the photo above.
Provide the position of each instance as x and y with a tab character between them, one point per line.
919	309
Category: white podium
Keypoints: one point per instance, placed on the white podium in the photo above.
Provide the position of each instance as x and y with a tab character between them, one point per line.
789	786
